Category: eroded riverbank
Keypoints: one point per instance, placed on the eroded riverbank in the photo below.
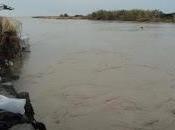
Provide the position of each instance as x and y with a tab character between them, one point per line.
89	75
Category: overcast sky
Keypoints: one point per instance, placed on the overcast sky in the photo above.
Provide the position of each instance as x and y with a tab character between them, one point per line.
56	7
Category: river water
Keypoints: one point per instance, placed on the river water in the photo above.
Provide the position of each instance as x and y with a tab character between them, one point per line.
100	75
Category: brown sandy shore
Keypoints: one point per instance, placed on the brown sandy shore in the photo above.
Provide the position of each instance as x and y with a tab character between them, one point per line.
59	17
81	17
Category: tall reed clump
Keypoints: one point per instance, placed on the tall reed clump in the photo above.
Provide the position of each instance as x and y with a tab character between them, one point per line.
9	38
9	25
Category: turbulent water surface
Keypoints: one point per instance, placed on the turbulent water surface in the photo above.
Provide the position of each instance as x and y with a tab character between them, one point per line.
92	75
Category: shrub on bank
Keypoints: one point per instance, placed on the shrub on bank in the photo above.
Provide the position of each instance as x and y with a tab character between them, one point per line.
131	15
9	38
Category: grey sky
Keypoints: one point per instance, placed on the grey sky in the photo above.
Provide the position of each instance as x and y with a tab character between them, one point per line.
55	7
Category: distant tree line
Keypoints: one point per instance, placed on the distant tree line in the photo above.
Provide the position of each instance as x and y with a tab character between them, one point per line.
64	15
133	15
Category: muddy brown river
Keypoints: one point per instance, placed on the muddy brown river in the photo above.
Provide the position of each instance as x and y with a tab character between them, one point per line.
92	75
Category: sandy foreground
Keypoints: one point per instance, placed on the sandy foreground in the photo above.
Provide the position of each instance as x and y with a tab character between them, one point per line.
85	75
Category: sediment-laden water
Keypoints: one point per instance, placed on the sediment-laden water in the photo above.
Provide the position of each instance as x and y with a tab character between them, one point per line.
92	75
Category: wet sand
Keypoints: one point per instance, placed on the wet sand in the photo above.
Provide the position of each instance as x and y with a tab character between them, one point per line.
89	75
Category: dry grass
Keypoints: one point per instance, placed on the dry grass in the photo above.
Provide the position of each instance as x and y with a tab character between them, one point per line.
9	37
9	25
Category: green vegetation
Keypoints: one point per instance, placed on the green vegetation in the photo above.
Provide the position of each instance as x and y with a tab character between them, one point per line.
133	15
121	15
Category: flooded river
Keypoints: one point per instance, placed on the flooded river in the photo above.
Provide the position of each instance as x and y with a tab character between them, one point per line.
92	75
